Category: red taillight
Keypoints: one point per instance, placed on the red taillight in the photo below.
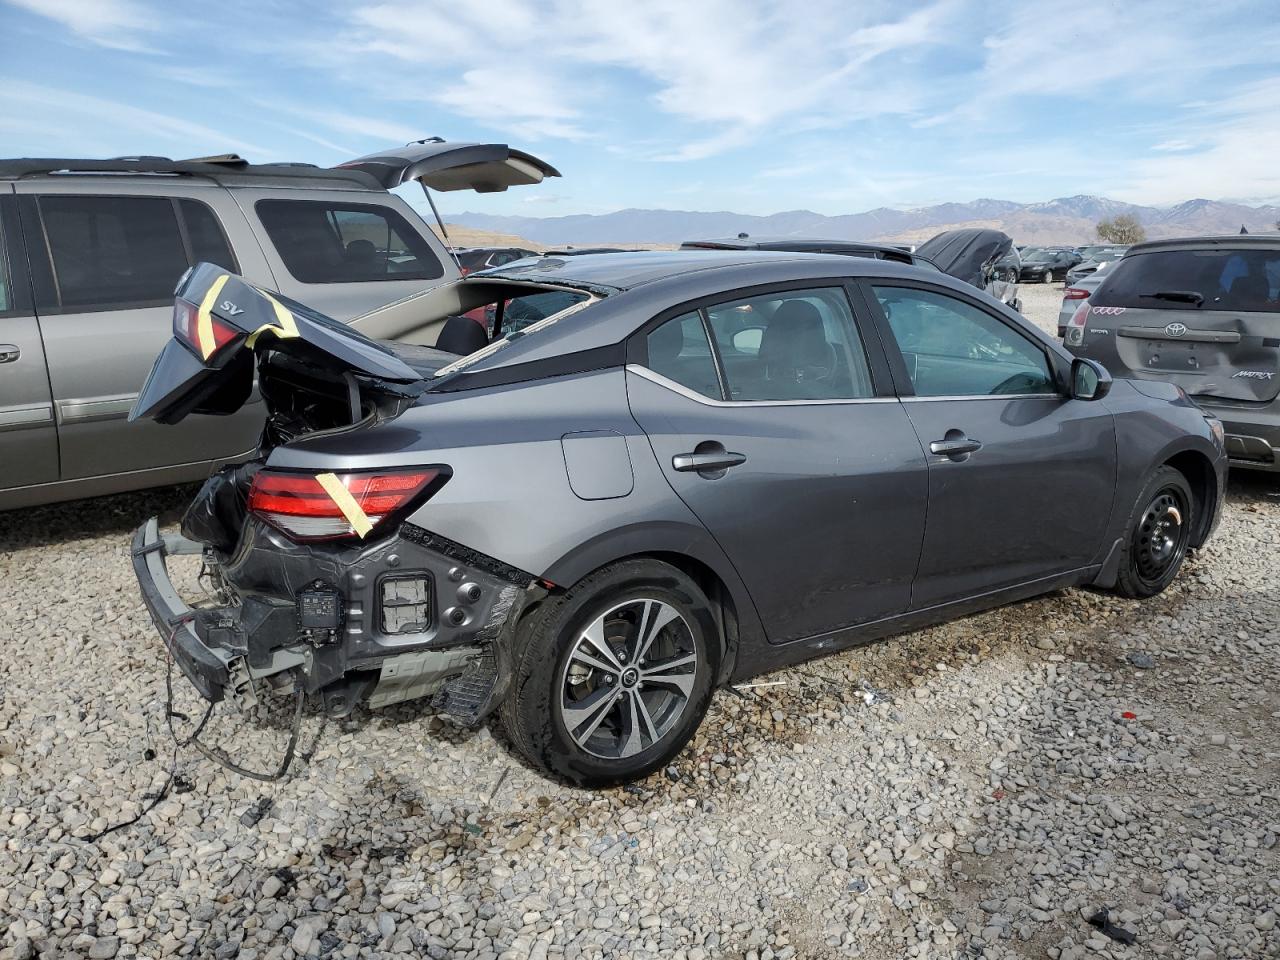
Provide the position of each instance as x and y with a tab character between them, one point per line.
328	506
204	340
1075	293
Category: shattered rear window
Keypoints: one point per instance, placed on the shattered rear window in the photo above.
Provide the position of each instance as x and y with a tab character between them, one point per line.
585	300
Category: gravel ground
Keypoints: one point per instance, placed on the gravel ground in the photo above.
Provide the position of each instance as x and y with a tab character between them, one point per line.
977	789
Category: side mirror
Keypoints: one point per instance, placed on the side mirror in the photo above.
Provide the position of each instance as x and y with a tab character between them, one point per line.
748	339
1089	379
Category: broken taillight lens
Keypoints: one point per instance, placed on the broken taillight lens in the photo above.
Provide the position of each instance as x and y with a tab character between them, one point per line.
1074	334
331	506
204	341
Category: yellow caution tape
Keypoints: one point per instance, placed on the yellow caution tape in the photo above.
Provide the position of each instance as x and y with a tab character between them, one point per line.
204	322
284	328
340	495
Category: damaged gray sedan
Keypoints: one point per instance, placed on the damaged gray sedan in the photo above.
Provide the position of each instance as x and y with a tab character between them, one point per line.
659	474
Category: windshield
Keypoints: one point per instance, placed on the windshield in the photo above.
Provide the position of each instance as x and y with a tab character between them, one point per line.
1247	281
1039	256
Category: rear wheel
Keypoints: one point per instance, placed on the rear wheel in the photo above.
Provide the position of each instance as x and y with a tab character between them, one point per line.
1158	535
613	677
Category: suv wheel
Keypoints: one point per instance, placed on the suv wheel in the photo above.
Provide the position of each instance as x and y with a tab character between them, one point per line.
612	678
1157	536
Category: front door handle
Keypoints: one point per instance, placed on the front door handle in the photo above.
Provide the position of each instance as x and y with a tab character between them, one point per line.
707	462
9	353
955	446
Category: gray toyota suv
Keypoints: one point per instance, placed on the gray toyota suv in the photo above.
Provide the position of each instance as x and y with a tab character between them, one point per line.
1202	313
90	253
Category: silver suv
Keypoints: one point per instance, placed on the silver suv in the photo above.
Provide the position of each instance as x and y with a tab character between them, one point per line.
90	253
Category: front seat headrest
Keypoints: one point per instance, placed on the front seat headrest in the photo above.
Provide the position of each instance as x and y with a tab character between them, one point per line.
461	335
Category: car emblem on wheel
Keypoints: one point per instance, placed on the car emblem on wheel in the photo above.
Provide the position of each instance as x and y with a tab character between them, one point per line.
1176	329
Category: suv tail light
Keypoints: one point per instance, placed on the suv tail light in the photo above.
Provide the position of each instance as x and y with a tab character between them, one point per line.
333	506
203	339
1074	336
1075	293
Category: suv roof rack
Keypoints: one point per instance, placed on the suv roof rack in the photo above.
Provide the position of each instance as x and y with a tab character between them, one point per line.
215	167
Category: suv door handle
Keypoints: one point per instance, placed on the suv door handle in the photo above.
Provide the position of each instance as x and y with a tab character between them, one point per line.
707	462
9	353
957	448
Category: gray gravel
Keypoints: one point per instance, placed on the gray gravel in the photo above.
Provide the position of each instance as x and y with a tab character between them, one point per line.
978	789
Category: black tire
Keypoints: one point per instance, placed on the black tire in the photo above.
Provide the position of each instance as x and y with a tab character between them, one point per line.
1157	535
546	662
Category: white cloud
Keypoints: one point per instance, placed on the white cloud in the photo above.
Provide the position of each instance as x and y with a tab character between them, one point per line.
118	24
730	72
80	115
1230	148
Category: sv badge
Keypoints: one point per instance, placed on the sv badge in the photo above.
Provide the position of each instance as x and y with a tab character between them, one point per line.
230	309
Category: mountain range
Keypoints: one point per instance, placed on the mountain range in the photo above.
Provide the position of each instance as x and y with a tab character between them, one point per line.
1065	220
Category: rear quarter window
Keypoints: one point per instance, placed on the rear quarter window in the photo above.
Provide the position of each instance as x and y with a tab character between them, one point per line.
1241	280
331	242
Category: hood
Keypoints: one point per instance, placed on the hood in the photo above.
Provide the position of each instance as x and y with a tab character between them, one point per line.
967	255
221	321
443	166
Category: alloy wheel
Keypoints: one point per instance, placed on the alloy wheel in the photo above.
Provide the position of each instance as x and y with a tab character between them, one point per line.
1161	537
628	678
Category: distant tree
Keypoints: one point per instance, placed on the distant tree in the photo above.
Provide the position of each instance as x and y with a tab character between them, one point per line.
1278	224
1124	228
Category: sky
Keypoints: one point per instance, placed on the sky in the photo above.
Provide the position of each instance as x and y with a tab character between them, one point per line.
744	105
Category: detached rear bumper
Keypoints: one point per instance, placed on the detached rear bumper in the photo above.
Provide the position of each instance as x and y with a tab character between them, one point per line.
208	668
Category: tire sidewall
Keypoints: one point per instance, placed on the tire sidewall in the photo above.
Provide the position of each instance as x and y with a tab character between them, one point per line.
1131	583
551	640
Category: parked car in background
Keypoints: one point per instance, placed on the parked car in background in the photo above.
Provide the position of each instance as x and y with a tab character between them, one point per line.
706	467
1094	257
90	251
985	259
1203	314
471	259
1078	292
1047	265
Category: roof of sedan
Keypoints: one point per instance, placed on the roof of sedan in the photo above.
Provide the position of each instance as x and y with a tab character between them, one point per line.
625	271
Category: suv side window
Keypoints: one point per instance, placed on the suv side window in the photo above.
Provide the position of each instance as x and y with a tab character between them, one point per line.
323	241
113	251
125	251
954	349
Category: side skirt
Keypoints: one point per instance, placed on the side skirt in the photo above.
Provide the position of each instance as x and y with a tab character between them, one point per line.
769	657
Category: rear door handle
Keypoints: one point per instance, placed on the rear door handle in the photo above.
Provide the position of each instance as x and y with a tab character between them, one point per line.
706	462
9	353
957	448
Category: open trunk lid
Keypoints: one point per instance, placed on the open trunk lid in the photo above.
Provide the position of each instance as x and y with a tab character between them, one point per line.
482	167
222	323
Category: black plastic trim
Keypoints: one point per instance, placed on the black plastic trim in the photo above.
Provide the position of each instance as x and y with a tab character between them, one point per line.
465	555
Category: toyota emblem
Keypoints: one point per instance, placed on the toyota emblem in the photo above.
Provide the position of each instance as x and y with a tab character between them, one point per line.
1176	329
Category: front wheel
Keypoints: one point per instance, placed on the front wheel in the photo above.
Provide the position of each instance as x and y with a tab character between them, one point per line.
1157	536
612	678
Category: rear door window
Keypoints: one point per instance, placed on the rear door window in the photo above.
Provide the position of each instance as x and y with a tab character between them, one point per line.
330	242
1241	280
113	251
126	251
679	350
792	345
954	349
